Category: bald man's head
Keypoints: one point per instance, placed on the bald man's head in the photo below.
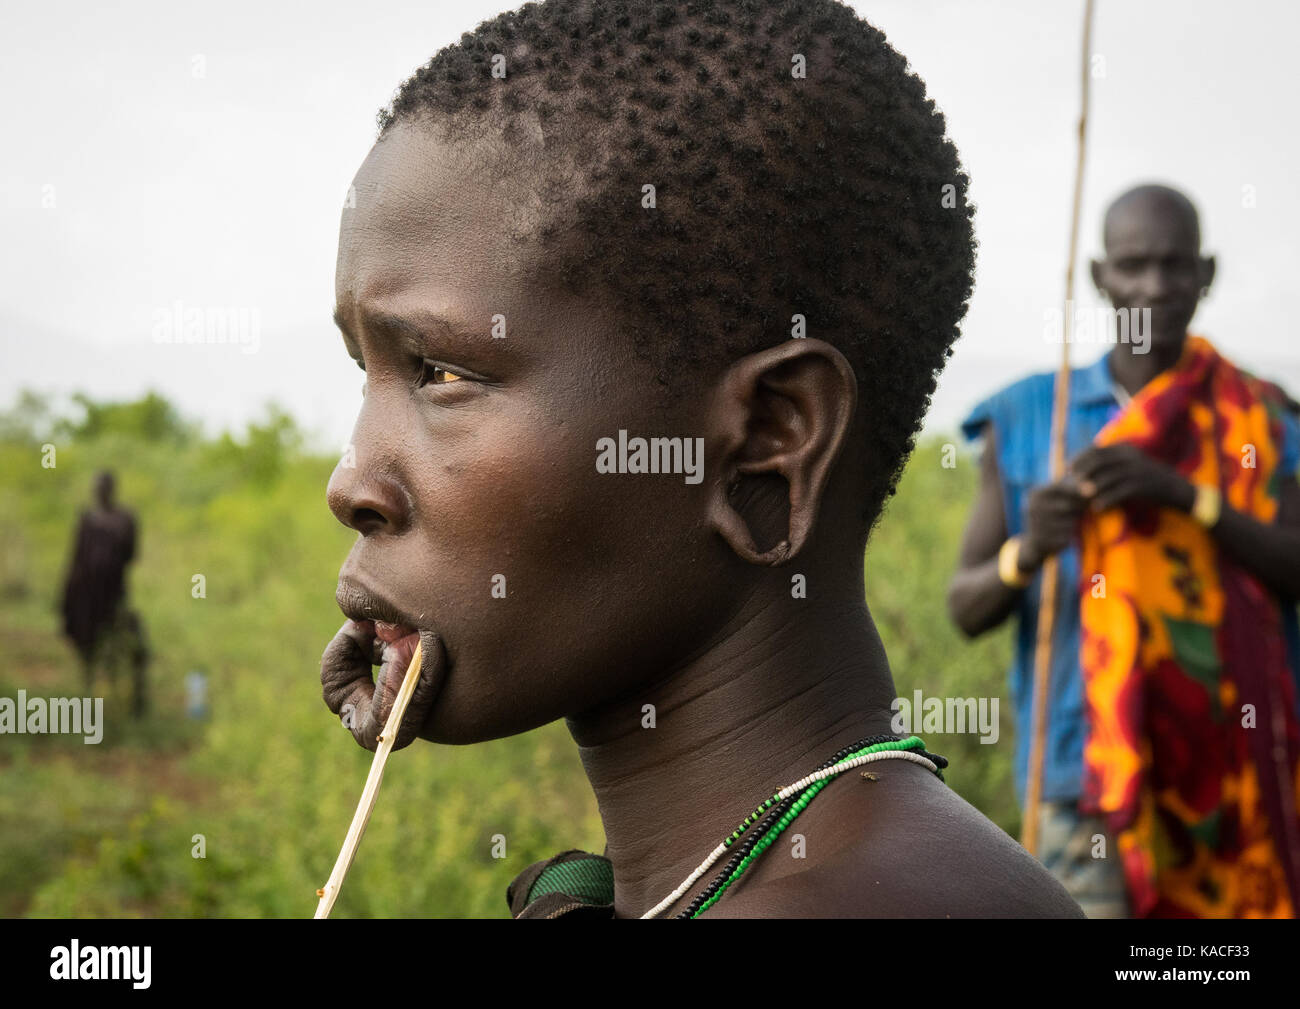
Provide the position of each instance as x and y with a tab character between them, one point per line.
1152	236
1141	203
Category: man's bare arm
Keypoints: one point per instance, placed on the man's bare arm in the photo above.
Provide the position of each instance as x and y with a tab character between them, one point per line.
978	600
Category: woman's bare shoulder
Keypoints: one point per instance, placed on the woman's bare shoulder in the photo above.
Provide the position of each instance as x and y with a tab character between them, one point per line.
909	848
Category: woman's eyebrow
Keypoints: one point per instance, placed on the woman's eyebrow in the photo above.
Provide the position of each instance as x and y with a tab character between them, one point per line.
415	326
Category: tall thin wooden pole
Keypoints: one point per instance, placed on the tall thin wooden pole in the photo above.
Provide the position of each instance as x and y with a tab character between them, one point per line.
1060	410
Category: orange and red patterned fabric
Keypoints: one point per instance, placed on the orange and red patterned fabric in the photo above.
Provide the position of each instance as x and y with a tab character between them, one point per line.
1193	742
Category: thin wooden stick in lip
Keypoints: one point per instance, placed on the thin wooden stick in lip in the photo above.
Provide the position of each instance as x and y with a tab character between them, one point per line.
330	891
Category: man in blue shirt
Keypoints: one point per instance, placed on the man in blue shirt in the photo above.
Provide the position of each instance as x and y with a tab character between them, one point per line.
1153	261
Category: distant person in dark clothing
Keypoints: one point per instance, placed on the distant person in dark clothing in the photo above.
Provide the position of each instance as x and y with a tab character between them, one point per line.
95	615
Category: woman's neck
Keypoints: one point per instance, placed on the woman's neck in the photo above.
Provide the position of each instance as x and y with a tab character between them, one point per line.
778	693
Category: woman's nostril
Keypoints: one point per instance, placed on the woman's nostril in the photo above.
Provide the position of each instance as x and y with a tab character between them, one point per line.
367	520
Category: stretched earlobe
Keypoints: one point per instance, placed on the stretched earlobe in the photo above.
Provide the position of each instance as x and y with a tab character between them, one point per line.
735	530
780	420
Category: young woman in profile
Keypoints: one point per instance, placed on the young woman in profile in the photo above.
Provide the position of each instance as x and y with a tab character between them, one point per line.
719	221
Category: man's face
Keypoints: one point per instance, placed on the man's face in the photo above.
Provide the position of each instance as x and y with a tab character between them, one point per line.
1153	261
475	452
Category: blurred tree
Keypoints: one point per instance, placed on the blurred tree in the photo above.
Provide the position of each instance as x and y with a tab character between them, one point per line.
261	455
268	445
29	421
151	418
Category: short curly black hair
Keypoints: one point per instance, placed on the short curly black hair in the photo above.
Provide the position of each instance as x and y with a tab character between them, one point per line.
798	170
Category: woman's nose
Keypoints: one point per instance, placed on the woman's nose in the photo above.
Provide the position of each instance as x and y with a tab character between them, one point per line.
366	500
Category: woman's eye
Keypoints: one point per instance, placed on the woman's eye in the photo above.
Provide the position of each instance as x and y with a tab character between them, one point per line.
432	374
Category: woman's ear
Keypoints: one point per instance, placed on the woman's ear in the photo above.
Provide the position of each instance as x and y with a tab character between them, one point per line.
779	420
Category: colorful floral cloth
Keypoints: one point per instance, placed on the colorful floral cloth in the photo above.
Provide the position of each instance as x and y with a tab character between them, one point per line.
1193	742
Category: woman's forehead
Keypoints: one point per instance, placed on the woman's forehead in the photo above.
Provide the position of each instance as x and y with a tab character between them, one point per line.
420	207
436	229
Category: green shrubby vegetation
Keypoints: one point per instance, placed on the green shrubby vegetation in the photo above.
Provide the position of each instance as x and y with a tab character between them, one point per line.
270	778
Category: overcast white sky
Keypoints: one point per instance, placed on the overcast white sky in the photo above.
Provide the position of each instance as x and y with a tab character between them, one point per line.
156	153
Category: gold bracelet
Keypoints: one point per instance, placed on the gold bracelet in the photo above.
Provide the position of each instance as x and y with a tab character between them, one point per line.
1207	506
1009	565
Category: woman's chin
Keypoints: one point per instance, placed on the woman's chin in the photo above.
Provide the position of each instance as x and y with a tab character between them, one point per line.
458	720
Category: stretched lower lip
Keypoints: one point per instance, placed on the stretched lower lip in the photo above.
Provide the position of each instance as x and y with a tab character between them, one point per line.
394	647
